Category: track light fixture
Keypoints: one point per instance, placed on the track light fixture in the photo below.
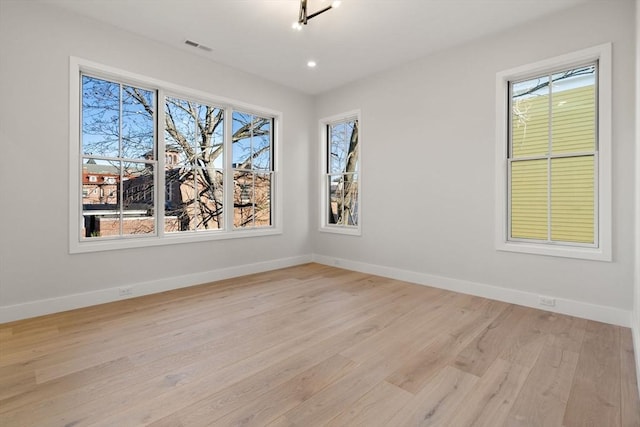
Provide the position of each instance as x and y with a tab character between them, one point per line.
304	17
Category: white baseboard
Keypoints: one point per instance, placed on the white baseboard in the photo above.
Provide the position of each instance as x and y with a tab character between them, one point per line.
9	313
580	309
589	311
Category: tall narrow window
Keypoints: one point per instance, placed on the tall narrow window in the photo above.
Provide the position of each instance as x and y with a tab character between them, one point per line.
341	175
552	157
118	160
194	137
252	170
554	143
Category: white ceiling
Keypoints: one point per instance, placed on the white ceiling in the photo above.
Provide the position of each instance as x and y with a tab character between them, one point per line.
359	38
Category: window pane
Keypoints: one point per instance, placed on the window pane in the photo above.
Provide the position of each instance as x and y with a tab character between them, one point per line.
262	145
262	198
242	149
242	153
572	199
182	212
252	199
100	198
138	201
138	130
193	200
100	174
574	110
210	199
180	132
343	146
529	206
100	117
335	199
343	199
173	202
210	141
351	199
338	147
251	141
243	199
530	118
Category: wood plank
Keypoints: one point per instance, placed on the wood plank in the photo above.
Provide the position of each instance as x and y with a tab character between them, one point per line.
438	402
274	403
424	364
73	389
567	332
594	399
12	385
376	407
341	395
629	400
478	355
408	330
528	339
491	399
543	398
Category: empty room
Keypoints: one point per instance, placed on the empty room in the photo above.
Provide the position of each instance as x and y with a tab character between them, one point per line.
319	213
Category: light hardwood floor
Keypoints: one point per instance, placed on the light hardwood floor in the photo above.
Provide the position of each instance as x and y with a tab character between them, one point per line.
314	346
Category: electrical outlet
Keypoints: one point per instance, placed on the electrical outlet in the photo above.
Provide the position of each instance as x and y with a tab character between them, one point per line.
548	301
125	291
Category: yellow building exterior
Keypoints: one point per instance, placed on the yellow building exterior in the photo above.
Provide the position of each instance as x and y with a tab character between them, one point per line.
554	197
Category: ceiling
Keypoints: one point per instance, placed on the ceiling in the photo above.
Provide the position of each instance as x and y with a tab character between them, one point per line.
360	38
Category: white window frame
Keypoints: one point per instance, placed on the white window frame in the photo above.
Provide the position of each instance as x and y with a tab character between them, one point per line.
79	245
353	230
602	250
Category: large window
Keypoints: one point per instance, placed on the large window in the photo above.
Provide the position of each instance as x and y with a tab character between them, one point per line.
118	159
158	164
553	167
341	174
252	170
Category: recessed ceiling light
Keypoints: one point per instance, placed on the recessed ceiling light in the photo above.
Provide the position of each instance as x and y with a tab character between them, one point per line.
311	64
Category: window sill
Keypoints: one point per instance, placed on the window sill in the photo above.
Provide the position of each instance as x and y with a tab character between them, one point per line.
352	231
106	244
592	254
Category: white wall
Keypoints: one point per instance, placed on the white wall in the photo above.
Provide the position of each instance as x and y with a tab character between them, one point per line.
35	44
430	124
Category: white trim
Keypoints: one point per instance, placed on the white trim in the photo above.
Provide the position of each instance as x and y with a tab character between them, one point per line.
160	176
324	122
635	327
611	315
635	334
603	252
599	313
77	245
10	313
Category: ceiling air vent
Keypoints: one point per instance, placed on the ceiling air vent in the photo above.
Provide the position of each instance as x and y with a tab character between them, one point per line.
198	45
